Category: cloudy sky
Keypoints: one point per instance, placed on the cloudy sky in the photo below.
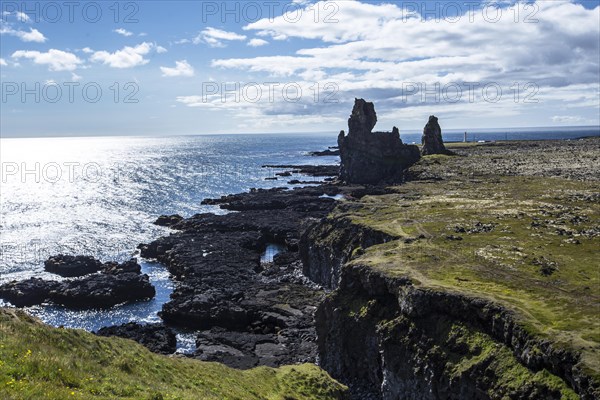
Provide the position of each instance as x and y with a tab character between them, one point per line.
191	67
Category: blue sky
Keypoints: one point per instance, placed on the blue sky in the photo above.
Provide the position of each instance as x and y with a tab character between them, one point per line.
191	67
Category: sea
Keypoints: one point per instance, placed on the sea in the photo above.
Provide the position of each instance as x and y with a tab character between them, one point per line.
99	196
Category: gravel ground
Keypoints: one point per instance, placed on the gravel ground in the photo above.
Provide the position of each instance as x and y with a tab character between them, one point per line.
571	159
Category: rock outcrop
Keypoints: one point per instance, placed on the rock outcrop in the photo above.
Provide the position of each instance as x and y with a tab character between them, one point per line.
103	290
28	292
247	312
432	138
72	266
156	337
369	157
118	283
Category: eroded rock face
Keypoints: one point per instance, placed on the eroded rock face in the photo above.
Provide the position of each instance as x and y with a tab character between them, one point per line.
372	157
432	138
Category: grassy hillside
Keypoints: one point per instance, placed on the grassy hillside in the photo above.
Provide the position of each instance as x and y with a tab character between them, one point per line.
529	243
41	362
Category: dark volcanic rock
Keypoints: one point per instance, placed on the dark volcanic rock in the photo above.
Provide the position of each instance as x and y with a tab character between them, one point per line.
102	290
432	138
117	284
29	292
156	337
372	157
250	313
114	268
327	152
311	170
246	350
168	220
72	266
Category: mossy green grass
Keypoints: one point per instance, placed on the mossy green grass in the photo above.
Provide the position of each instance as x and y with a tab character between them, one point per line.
41	362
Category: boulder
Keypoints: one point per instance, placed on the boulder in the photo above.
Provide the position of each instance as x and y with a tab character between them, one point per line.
369	157
168	220
103	290
114	268
29	292
72	266
156	337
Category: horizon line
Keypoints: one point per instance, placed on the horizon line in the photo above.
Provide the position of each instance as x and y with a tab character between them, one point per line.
408	131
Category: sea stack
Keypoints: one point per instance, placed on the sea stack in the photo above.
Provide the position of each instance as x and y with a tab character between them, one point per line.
432	138
369	157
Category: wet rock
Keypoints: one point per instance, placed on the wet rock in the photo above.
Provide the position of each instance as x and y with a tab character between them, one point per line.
29	292
249	313
369	157
102	290
156	337
168	220
114	268
323	153
432	138
311	170
72	266
117	284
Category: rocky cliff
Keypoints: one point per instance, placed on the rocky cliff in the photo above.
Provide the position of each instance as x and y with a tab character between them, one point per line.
391	339
456	287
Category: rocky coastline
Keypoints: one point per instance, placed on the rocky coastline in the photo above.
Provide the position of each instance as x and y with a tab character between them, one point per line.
313	302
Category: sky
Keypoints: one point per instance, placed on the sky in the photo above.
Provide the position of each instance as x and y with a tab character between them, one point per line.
208	67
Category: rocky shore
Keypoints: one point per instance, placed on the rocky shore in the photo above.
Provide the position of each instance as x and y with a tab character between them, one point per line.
116	284
247	312
417	291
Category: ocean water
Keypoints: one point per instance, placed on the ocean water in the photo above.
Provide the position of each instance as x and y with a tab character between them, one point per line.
99	197
474	135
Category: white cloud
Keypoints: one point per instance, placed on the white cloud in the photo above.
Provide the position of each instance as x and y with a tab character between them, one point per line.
160	49
182	68
22	16
123	32
127	57
3	62
57	60
257	42
215	37
32	36
75	77
190	101
87	50
375	50
566	119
